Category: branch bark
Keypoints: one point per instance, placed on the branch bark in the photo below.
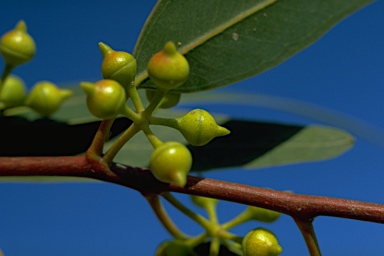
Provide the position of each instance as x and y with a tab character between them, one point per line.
296	205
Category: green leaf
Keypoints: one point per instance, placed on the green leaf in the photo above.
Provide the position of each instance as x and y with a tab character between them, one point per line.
227	41
254	144
251	144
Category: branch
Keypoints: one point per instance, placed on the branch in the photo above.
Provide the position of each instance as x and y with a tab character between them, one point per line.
296	205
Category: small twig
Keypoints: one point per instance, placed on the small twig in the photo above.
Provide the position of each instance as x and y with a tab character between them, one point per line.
96	148
239	219
214	248
306	229
191	214
120	142
163	217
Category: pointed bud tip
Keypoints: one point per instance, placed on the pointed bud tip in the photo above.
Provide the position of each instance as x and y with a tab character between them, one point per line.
105	49
65	94
170	48
222	131
277	249
179	179
21	26
87	87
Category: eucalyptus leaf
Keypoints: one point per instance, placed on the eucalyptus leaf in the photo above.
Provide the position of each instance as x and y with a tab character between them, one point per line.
227	41
256	144
251	144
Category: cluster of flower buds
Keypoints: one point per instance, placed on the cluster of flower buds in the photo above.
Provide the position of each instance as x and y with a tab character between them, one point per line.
18	47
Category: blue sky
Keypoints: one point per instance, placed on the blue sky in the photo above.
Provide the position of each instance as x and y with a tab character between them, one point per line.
343	72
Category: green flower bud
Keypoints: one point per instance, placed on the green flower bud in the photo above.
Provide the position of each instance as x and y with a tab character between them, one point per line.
199	127
17	46
261	242
13	92
261	214
168	69
118	66
203	202
169	100
46	98
173	248
105	98
170	162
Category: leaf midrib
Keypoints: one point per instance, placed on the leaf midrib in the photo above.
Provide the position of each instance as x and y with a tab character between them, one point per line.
212	33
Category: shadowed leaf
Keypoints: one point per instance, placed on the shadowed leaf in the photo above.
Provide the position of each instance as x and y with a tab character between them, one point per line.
256	144
251	144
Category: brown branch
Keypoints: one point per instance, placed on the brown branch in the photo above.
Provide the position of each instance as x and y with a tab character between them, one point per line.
296	205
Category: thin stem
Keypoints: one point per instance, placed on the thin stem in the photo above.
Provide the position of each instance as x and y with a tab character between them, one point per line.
212	213
195	241
239	219
134	95
163	217
225	235
191	214
214	248
306	229
170	122
7	70
120	142
234	247
129	113
141	77
96	148
159	95
151	136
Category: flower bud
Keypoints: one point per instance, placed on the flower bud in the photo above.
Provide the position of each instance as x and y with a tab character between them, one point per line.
261	242
118	66
105	98
17	46
170	162
169	100
46	98
261	214
203	202
173	248
168	69
199	127
13	92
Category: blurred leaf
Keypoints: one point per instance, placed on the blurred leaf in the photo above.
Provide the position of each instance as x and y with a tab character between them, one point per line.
203	249
255	101
47	137
255	144
251	144
227	41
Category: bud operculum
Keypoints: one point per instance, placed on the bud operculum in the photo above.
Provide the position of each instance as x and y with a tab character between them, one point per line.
199	127
105	98
17	46
170	162
13	92
117	65
168	69
261	242
46	98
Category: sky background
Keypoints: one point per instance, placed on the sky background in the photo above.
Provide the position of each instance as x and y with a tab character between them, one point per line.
343	72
